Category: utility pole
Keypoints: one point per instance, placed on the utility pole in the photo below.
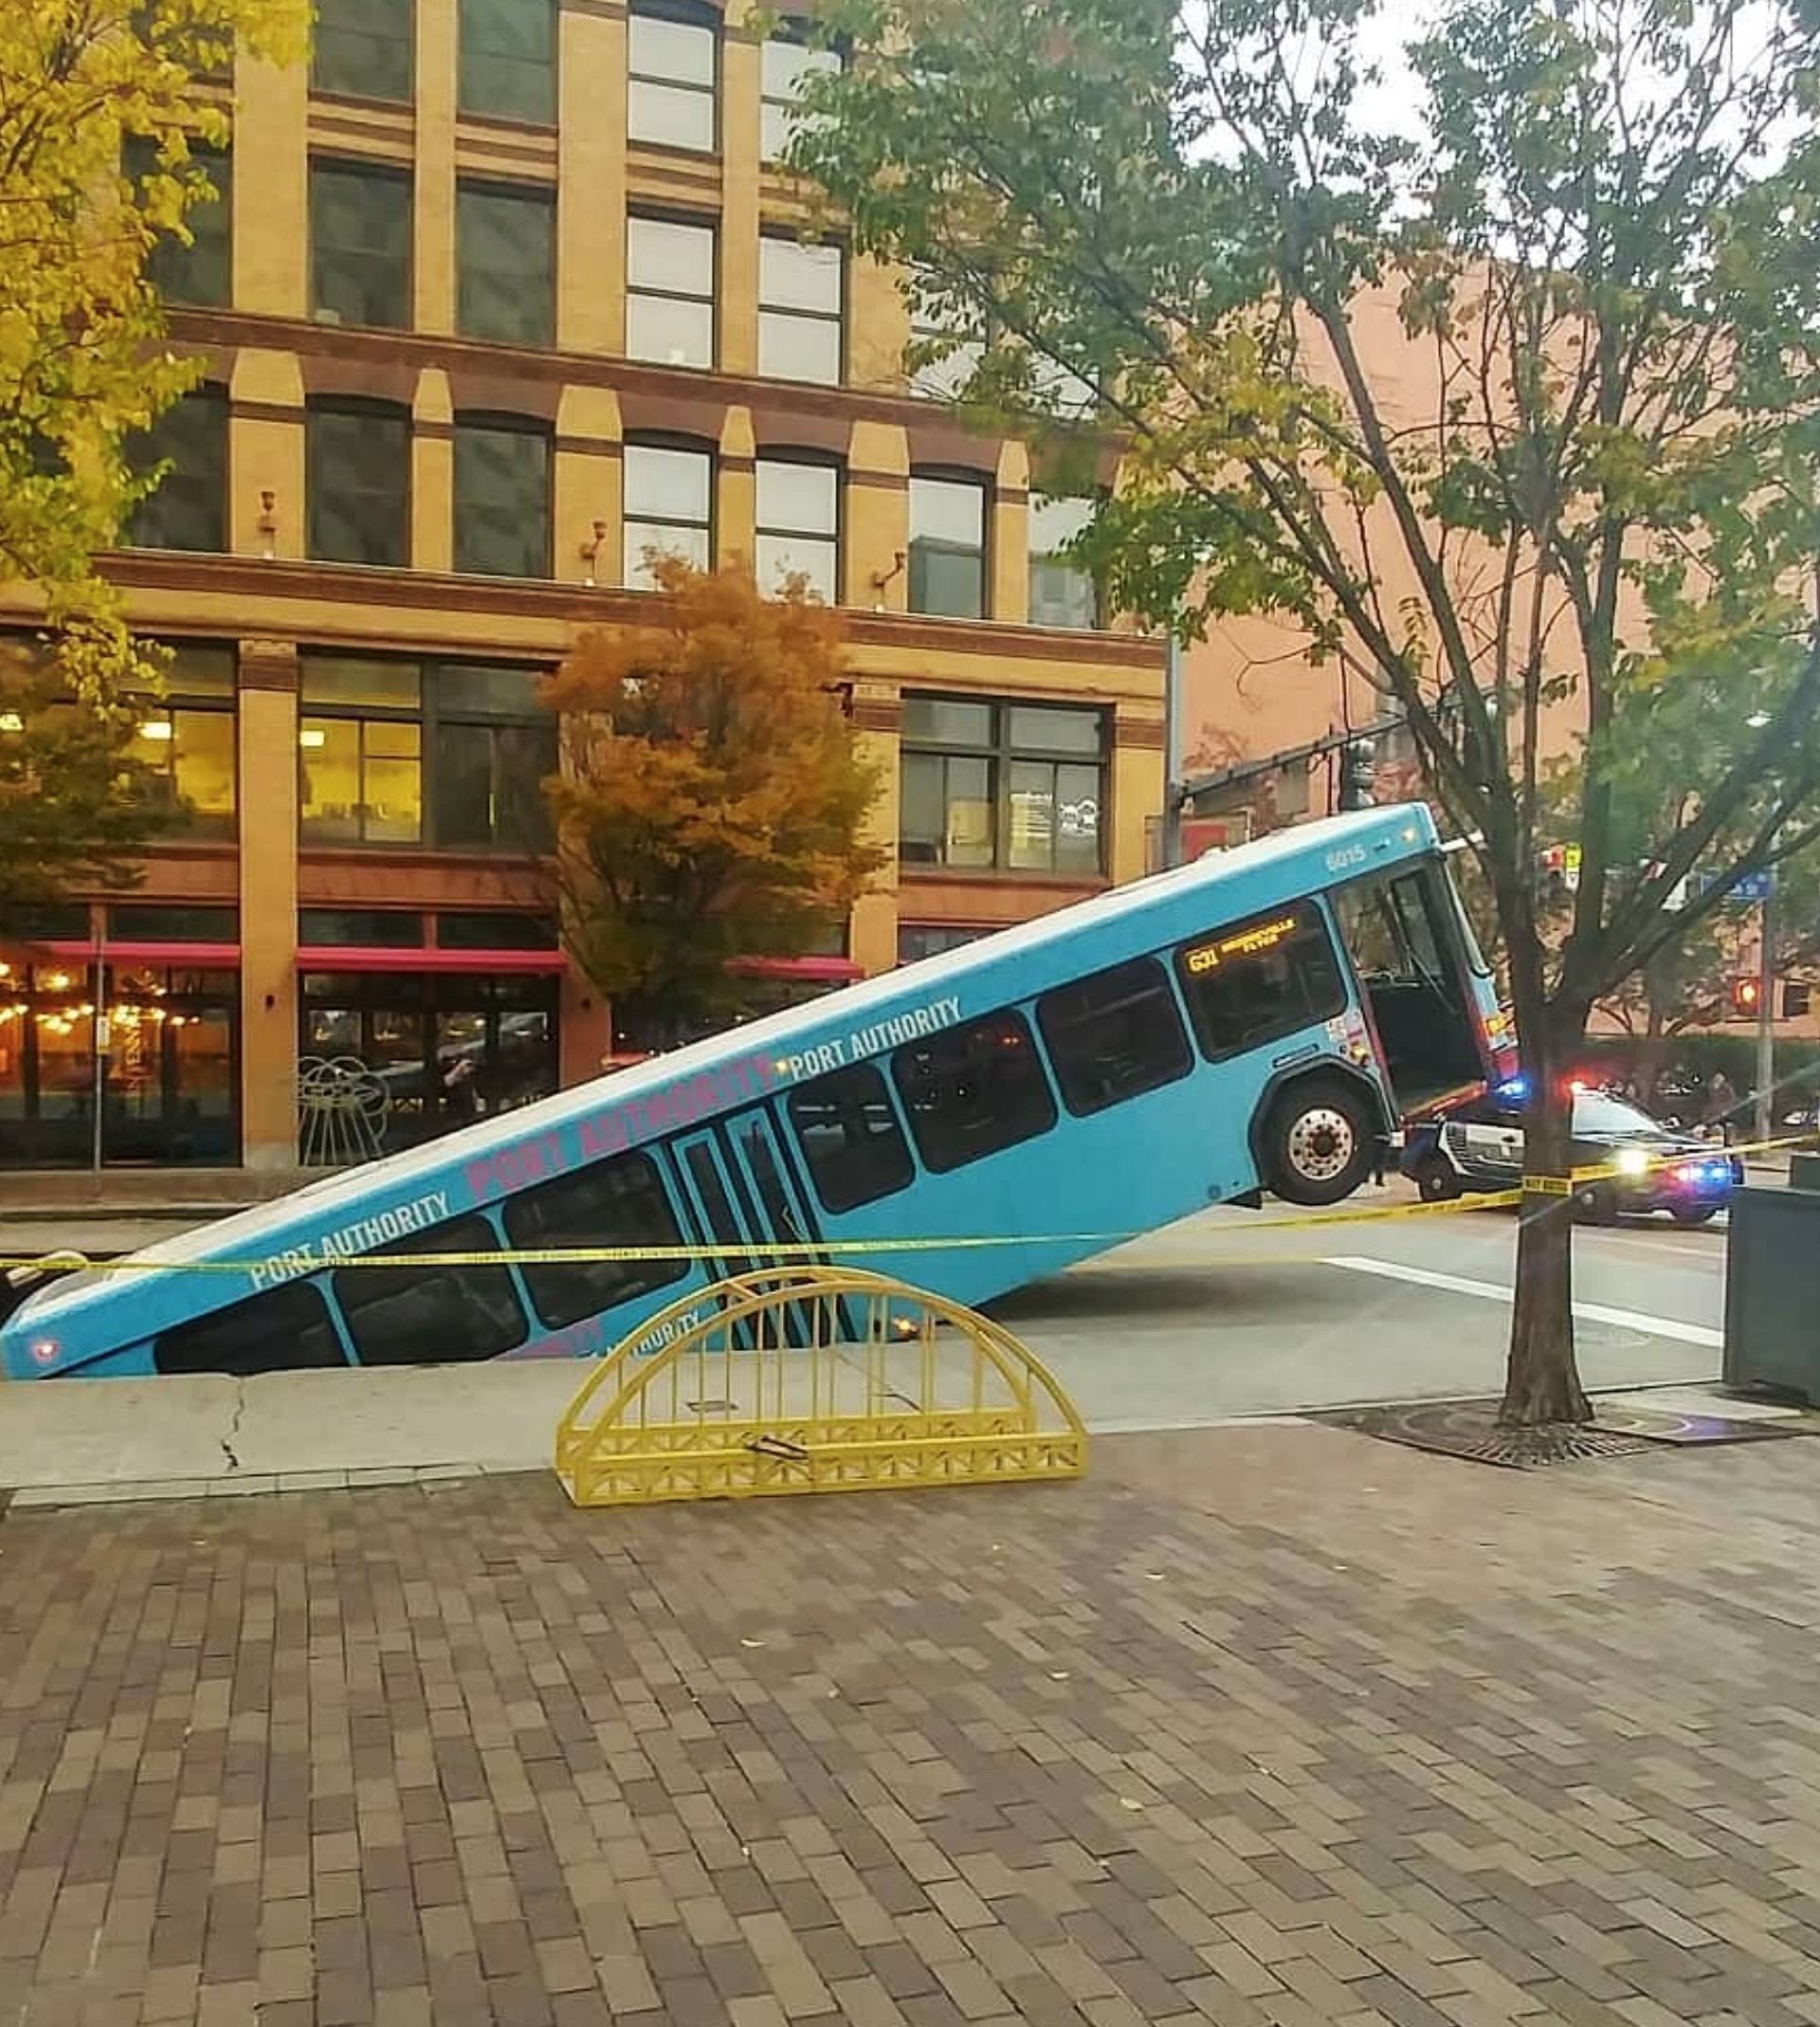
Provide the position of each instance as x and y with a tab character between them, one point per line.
1766	1012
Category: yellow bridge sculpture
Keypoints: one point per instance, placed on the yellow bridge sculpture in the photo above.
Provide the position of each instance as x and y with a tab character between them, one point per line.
812	1379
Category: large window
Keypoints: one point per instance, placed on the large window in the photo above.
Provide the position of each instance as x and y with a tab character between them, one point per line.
785	67
801	288
444	1049
1063	593
501	497
1259	980
357	483
186	739
669	291
1012	785
367	725
673	55
199	268
508	60
359	244
187	509
362	48
493	746
947	545
170	1082
1114	1035
505	261
799	507
974	1090
432	1315
669	493
360	747
621	1203
850	1137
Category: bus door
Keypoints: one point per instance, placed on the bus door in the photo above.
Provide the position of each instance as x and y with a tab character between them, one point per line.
742	1200
1401	932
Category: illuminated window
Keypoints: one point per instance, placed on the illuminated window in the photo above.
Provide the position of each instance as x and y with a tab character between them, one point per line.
669	291
669	493
800	292
673	53
799	505
186	739
1020	787
361	751
451	754
787	65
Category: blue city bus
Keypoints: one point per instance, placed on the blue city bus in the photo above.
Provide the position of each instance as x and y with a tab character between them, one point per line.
1256	1020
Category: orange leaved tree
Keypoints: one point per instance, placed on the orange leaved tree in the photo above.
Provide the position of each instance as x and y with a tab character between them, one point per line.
710	800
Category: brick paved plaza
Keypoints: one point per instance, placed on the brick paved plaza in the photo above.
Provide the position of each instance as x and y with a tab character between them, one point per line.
1266	1724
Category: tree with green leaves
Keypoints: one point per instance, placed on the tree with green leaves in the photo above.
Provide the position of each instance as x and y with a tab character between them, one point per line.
1577	471
712	799
99	111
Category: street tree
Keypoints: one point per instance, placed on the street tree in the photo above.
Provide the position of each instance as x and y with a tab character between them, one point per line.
100	112
1571	480
711	802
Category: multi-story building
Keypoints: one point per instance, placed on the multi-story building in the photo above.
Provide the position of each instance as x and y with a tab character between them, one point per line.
499	295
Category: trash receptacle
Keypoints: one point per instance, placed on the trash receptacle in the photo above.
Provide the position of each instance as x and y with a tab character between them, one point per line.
1773	1292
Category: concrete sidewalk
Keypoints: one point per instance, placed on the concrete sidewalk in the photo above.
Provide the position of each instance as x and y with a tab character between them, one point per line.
1269	1727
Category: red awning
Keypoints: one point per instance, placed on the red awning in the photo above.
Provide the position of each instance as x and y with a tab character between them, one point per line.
191	956
358	956
828	970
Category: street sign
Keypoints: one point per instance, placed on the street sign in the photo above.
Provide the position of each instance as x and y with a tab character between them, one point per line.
1756	887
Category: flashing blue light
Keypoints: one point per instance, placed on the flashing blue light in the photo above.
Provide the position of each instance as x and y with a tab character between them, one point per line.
1514	1088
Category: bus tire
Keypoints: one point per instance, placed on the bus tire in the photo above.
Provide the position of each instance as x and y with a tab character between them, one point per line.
1317	1142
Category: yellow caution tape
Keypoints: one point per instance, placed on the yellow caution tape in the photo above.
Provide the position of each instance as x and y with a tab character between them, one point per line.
298	1262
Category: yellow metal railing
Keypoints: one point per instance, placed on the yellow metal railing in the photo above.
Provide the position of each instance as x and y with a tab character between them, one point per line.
812	1379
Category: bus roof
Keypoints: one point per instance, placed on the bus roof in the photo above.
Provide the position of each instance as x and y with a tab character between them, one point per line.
1317	845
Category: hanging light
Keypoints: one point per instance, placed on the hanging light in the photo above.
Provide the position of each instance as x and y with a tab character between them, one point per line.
11	721
159	729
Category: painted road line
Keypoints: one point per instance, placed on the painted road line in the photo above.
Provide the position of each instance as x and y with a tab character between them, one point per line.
1591	1312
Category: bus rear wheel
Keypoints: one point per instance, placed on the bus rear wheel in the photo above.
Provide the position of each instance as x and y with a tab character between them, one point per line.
1318	1144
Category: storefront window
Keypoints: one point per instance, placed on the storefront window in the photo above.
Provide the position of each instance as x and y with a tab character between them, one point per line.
170	1083
443	1050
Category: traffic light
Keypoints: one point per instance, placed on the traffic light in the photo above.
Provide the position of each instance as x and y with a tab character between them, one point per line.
1357	775
1747	995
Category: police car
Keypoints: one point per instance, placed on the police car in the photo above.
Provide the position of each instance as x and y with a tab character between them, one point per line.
1479	1146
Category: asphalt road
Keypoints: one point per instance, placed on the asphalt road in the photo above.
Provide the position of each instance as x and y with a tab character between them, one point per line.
1239	1312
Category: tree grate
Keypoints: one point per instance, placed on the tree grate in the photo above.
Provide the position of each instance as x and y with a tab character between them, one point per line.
1470	1429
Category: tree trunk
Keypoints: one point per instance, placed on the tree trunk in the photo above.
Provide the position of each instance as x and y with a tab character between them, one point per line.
1542	1381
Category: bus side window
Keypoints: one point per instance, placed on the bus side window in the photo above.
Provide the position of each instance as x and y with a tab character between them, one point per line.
970	1091
1261	979
1114	1035
618	1202
432	1315
285	1329
850	1137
